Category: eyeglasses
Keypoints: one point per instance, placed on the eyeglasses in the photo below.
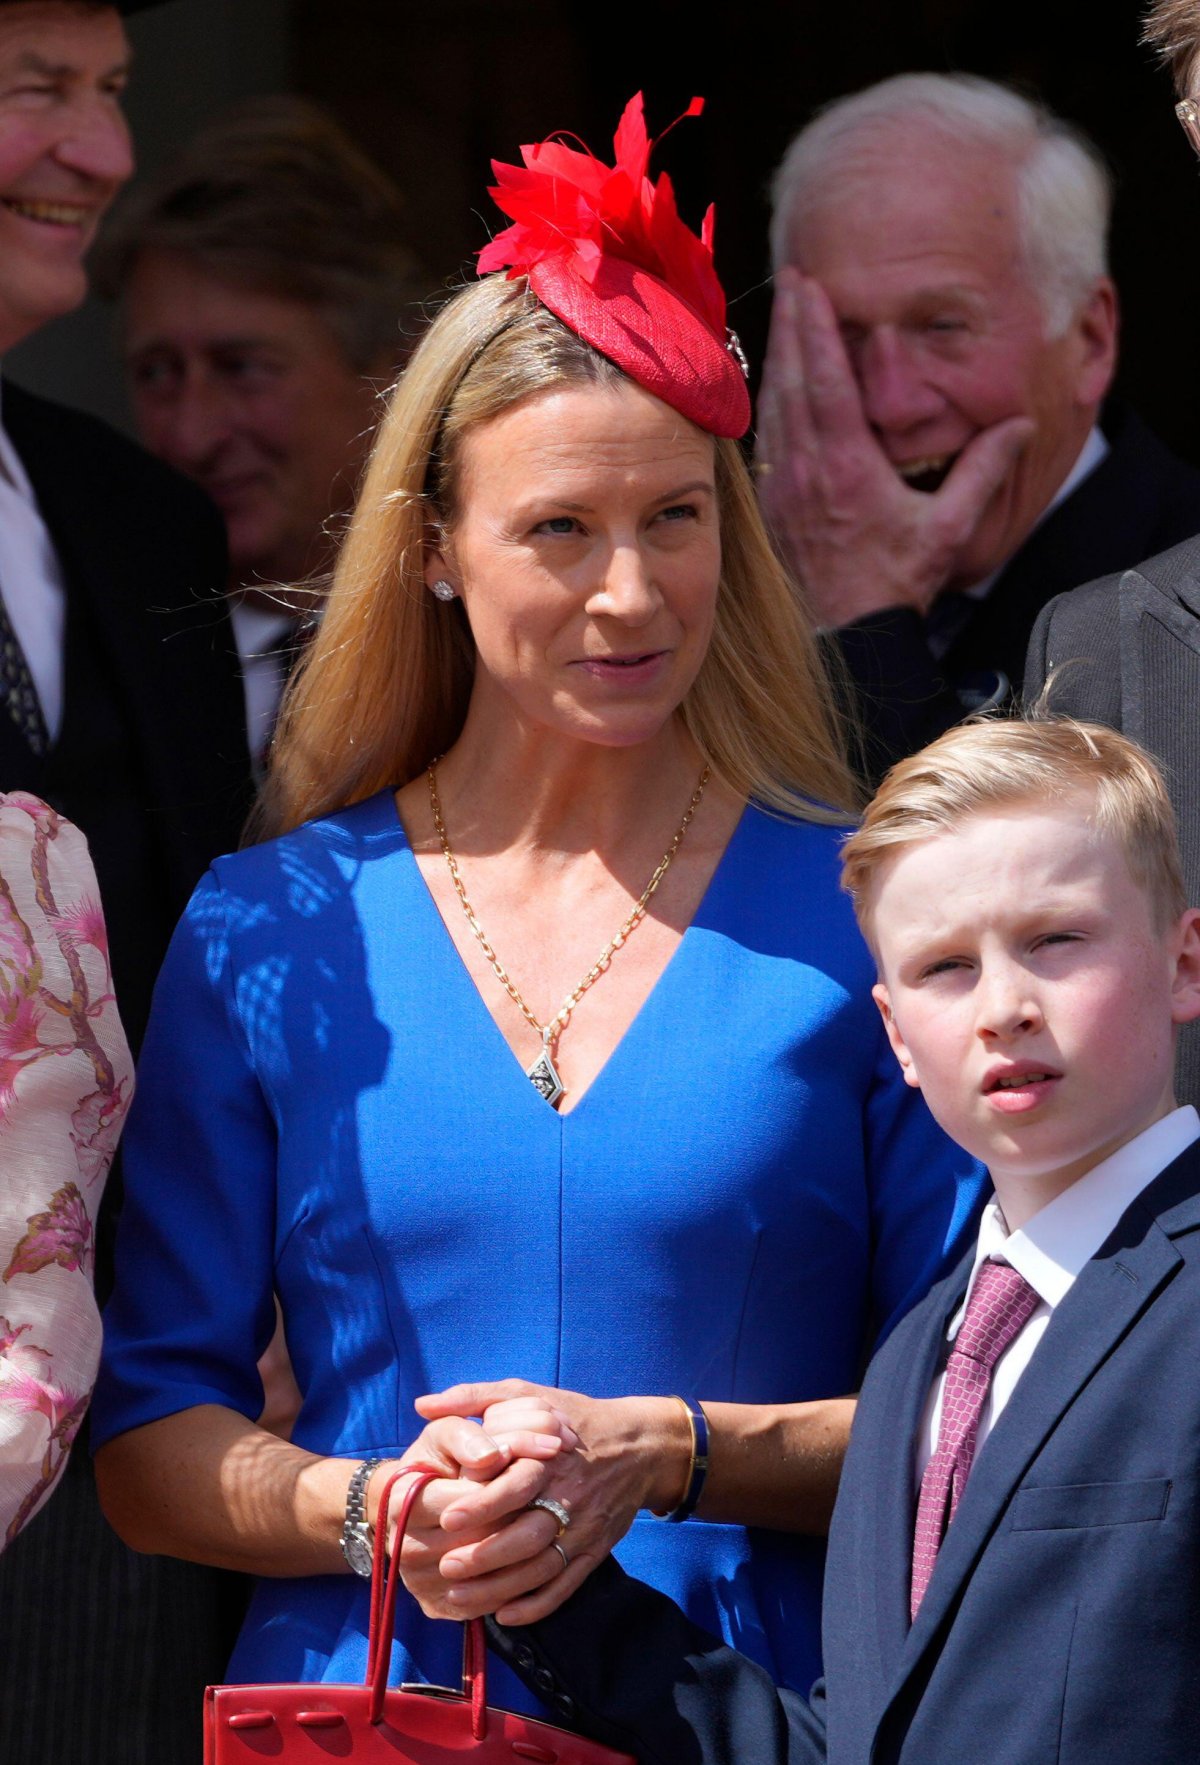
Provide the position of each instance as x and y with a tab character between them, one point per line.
1188	112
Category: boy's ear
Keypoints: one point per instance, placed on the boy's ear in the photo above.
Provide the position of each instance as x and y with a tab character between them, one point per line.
1185	987
900	1048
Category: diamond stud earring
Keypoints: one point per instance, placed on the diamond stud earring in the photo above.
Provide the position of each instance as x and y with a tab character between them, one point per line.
445	591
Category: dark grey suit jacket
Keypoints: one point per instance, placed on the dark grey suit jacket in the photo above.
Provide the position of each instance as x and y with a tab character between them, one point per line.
1125	651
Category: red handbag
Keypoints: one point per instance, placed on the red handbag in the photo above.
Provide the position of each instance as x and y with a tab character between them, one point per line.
407	1725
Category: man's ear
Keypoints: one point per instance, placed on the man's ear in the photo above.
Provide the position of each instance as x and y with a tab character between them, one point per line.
900	1047
1096	326
1185	986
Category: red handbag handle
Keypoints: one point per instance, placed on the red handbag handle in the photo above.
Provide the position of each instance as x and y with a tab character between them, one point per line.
385	1581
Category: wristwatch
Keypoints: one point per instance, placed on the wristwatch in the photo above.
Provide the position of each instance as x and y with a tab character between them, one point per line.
358	1540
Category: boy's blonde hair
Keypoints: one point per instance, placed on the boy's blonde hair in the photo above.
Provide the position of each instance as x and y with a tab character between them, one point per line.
997	763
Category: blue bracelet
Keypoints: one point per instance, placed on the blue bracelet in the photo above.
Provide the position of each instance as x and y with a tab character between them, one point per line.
698	1422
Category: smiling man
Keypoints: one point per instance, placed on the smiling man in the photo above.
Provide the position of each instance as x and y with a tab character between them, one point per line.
120	704
119	698
932	453
64	152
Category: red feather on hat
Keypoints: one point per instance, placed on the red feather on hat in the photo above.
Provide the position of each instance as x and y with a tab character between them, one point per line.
581	226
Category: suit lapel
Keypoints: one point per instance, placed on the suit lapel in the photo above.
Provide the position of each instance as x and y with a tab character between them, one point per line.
896	1507
1104	524
96	571
147	563
1109	1295
1159	615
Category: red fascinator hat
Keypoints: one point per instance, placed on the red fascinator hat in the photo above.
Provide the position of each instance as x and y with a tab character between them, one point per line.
605	250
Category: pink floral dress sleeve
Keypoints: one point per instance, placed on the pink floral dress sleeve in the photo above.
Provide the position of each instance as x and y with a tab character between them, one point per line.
65	1082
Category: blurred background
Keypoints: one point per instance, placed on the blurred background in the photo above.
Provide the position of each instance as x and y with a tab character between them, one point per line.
435	91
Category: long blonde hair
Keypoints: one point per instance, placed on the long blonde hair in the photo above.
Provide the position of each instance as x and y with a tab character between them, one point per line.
386	683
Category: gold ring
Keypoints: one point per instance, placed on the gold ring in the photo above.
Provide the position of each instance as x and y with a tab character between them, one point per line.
548	1504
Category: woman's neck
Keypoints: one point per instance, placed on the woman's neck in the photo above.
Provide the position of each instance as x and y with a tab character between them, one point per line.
536	789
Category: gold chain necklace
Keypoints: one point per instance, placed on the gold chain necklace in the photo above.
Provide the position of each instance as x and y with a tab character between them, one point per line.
543	1074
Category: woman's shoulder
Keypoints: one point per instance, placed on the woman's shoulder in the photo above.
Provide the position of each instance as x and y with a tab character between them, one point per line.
778	890
364	833
793	845
302	904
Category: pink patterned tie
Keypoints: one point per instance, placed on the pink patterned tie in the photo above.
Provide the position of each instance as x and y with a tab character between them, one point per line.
1001	1304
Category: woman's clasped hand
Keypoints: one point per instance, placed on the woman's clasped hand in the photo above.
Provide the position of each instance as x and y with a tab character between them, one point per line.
475	1547
473	1541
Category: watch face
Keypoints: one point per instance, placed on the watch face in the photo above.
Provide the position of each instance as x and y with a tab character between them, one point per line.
357	1549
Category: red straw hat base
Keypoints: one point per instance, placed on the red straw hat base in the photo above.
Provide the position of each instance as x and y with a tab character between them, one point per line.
640	324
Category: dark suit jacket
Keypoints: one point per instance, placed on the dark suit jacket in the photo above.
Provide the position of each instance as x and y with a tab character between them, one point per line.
1062	1622
1139	499
1128	653
106	1653
144	561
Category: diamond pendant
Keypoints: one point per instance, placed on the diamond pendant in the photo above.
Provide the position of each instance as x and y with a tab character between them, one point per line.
543	1074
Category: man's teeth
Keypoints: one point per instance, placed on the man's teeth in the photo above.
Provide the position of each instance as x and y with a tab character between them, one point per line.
1013	1084
60	214
918	468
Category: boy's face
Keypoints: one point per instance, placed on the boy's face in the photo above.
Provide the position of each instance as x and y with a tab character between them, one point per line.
1028	993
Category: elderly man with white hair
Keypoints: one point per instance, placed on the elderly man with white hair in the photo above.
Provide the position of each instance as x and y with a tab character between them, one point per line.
933	457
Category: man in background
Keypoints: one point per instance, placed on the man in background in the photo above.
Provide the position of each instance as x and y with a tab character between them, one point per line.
1125	650
120	704
267	295
934	457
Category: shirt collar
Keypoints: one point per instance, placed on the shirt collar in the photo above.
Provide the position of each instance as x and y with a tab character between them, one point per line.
260	630
11	469
1050	1249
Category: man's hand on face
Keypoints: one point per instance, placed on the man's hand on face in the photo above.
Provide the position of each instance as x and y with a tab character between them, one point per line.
857	536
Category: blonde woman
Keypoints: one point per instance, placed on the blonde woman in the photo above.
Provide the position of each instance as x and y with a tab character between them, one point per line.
536	1038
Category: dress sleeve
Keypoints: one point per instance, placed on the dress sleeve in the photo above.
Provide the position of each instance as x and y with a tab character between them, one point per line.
65	1081
926	1195
193	1307
626	1667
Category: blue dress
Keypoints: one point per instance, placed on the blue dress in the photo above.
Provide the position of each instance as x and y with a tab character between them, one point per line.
743	1202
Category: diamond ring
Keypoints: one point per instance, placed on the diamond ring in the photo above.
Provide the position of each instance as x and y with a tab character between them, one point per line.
548	1503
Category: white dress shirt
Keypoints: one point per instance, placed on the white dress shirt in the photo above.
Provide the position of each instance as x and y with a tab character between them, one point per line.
264	638
1050	1250
31	583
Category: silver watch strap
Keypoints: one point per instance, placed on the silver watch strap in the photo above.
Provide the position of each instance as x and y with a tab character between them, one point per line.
356	1494
357	1539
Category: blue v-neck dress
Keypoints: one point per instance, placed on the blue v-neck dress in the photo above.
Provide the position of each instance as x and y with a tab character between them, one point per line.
745	1199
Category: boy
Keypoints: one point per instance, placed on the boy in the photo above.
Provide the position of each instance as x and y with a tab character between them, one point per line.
1012	1573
